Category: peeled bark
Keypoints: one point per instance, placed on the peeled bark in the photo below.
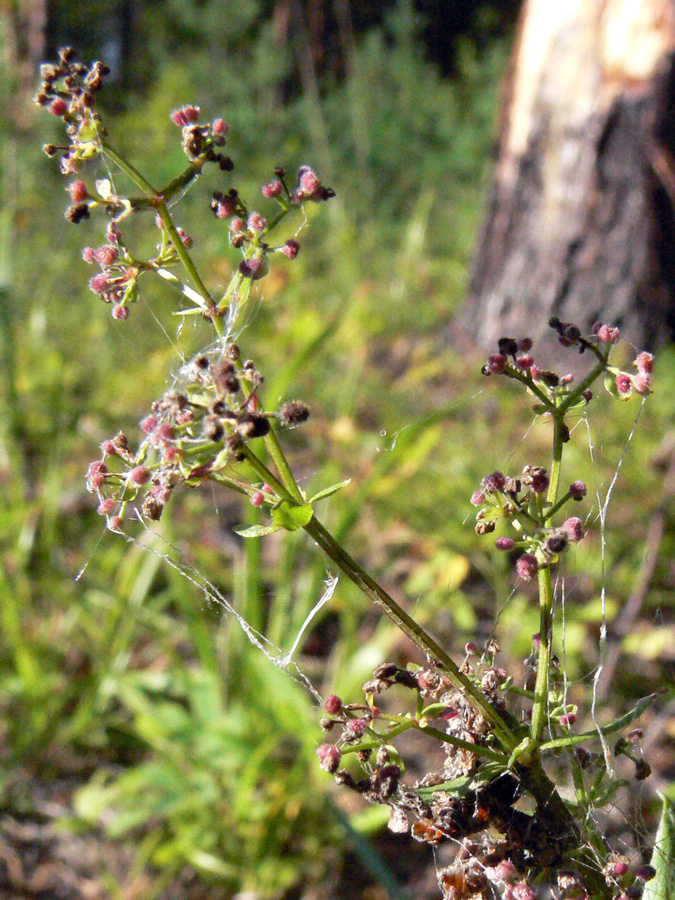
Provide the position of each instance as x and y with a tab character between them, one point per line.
580	222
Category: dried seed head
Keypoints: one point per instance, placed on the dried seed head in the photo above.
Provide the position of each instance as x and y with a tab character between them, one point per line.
293	413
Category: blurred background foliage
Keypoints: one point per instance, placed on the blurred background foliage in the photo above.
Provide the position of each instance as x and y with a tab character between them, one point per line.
153	751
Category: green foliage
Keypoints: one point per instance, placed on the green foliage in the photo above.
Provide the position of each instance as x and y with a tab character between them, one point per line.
663	857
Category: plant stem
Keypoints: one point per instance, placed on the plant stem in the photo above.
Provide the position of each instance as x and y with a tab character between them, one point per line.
129	170
411	628
543	665
188	264
277	456
158	200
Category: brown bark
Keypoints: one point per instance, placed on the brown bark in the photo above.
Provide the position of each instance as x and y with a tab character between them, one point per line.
580	218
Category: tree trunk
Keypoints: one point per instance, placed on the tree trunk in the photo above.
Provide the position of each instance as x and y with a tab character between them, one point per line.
580	222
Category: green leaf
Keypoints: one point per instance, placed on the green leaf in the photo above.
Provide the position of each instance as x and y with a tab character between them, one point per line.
460	787
257	530
326	492
291	516
662	886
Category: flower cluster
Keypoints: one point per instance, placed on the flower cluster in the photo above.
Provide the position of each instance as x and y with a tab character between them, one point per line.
248	229
68	90
515	360
520	501
197	431
469	801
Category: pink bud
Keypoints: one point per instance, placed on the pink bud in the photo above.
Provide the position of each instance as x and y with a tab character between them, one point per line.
527	566
329	757
642	383
272	189
496	363
291	249
645	363
624	383
140	475
106	506
185	237
257	499
332	704
58	107
220	128
504	543
573	528
577	490
78	191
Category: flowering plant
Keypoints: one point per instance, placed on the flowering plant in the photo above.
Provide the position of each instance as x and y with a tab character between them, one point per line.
214	426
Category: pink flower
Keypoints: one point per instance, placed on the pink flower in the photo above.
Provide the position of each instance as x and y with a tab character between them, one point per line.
642	383
332	704
291	249
186	115
527	566
106	506
607	334
272	189
624	383
496	364
256	222
140	475
309	186
78	191
577	490
494	482
504	543
149	423
573	528
645	363
329	757
58	107
105	255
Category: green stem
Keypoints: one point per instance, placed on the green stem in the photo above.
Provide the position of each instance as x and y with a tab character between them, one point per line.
264	473
545	637
188	264
158	200
411	628
289	490
581	387
277	456
181	181
128	169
